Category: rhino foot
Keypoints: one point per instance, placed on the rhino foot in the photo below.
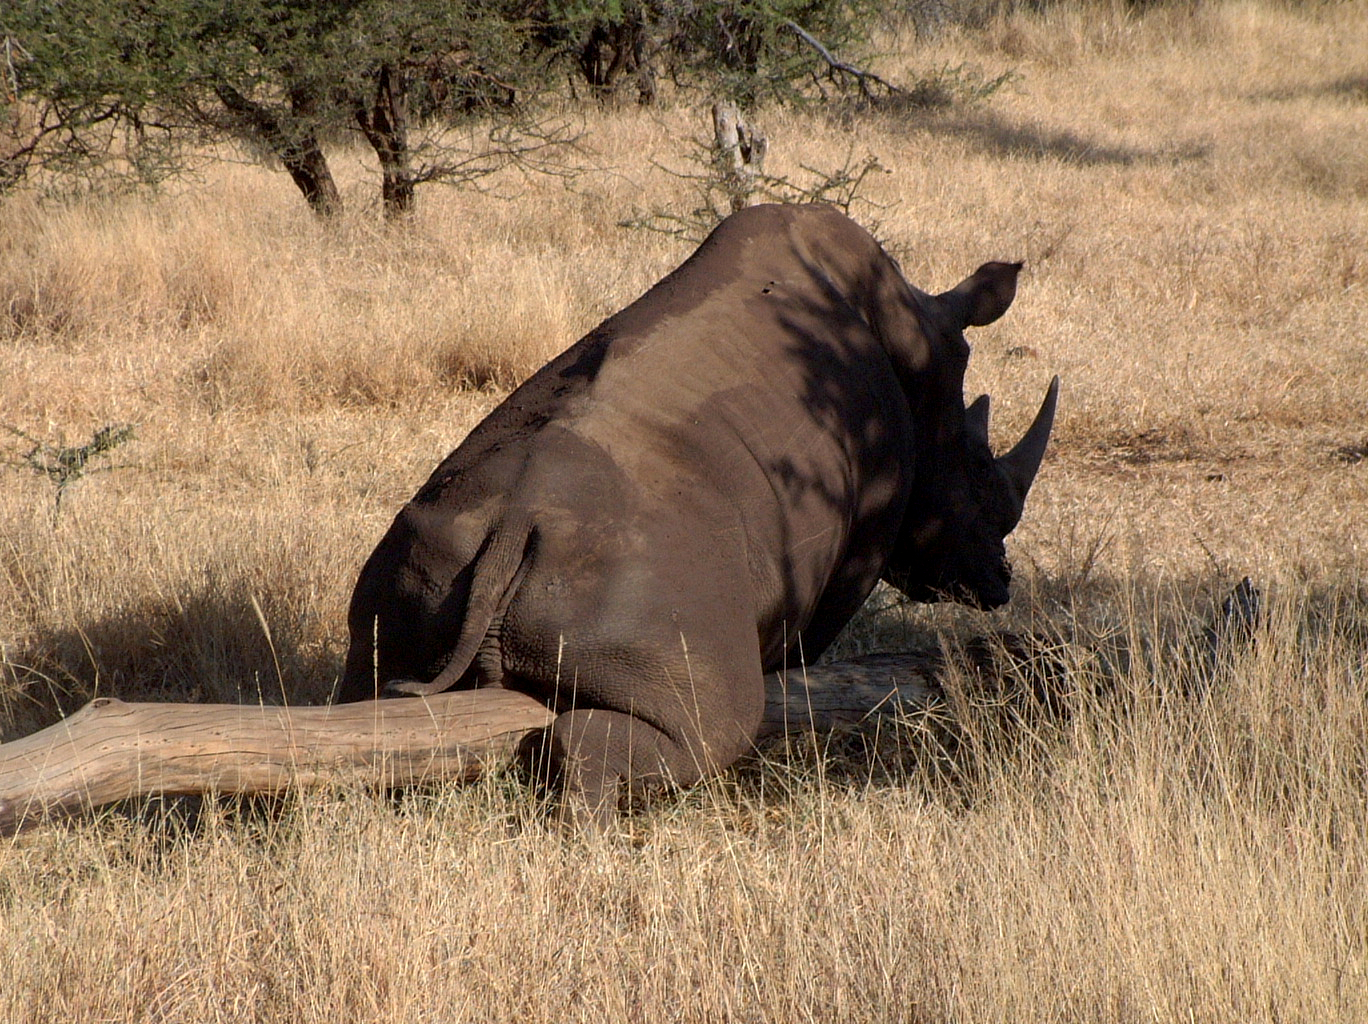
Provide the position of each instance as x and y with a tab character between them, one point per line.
601	760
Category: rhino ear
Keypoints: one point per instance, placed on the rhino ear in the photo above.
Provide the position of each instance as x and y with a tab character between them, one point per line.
984	295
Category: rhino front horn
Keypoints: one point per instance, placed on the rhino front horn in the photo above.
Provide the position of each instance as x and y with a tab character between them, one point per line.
1019	465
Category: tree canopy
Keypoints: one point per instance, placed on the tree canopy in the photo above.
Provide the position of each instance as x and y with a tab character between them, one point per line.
116	94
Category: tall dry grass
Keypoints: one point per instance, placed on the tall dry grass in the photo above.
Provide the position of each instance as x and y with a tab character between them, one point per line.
1190	191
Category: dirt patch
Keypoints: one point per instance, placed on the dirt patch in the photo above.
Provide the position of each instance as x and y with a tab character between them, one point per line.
1161	445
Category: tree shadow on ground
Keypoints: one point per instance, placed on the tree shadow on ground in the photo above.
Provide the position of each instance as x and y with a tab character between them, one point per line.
1003	699
991	133
207	644
1349	89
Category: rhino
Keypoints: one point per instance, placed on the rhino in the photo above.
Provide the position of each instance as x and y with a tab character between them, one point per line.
703	489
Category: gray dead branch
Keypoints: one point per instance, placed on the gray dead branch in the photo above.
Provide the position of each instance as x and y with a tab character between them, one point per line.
739	150
111	750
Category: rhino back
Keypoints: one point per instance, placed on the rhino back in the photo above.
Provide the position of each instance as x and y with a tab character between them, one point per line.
748	383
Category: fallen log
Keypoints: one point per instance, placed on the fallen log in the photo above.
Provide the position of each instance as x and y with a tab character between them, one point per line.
111	750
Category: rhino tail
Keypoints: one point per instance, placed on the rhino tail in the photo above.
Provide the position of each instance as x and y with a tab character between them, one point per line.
499	568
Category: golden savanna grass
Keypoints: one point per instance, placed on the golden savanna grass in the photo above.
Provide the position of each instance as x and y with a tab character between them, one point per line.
1190	192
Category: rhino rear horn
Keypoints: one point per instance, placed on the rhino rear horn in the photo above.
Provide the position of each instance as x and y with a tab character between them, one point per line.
1019	465
976	419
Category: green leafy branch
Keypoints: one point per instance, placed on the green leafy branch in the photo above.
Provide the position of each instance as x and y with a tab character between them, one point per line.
65	465
731	176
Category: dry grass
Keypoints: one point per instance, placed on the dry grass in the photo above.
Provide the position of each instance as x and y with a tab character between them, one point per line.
1190	190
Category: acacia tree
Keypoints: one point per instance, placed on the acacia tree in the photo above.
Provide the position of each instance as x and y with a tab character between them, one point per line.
79	89
745	49
441	91
451	94
127	91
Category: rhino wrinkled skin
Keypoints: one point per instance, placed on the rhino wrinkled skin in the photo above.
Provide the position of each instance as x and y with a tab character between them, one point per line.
703	489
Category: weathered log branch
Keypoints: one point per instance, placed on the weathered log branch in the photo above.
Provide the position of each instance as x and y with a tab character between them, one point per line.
111	750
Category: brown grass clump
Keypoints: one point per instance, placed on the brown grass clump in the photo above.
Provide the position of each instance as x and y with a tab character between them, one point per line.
1170	840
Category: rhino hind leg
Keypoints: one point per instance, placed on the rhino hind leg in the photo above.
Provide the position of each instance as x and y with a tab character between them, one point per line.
607	757
600	760
658	682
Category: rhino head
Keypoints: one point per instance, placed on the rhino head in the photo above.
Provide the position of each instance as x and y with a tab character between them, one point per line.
964	499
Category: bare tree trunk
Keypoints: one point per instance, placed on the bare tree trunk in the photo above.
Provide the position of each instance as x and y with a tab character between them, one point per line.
308	168
614	49
110	750
739	150
295	146
385	125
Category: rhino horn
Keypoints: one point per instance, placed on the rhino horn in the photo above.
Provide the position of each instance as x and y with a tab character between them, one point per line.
976	419
1020	464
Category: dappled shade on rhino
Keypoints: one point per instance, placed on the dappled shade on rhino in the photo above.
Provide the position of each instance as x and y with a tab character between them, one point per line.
704	488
